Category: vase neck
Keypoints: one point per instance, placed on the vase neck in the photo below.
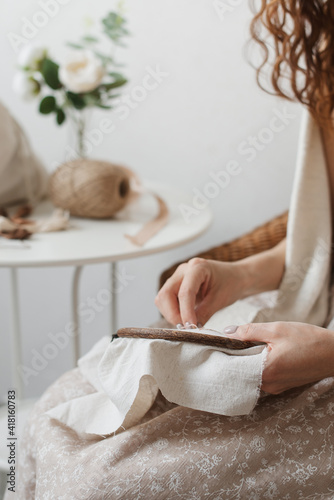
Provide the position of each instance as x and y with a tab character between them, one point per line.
78	145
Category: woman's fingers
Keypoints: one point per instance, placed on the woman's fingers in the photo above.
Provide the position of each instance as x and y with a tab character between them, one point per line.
167	298
177	298
168	304
261	332
192	282
187	301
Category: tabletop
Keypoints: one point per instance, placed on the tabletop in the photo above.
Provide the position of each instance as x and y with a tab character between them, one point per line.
89	241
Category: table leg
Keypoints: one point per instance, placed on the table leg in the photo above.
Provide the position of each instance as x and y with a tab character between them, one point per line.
17	346
114	298
75	313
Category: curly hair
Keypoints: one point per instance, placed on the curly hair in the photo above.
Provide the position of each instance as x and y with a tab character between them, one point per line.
301	57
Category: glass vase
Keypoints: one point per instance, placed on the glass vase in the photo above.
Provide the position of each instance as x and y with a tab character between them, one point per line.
78	146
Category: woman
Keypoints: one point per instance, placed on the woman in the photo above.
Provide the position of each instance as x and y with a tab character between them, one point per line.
200	288
284	449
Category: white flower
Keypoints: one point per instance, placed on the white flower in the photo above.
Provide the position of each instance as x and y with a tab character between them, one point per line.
31	55
25	86
82	72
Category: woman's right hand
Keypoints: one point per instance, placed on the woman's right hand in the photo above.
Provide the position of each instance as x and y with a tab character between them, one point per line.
198	289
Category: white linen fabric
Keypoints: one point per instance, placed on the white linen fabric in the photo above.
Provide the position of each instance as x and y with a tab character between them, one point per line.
203	378
132	371
22	176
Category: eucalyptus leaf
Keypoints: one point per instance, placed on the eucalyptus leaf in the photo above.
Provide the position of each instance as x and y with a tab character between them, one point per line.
91	100
116	76
47	105
113	96
114	85
61	116
49	70
89	39
103	106
76	100
114	27
95	92
104	59
75	45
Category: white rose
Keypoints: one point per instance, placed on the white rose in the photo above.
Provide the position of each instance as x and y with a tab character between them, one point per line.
31	55
25	86
82	72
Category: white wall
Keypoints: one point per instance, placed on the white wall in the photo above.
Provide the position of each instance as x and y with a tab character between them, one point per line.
194	122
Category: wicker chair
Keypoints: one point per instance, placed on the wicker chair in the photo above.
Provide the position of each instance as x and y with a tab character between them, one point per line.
260	239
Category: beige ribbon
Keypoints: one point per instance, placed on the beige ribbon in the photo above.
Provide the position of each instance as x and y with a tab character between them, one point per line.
152	227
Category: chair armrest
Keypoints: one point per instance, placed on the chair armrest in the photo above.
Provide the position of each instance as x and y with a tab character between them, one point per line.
260	239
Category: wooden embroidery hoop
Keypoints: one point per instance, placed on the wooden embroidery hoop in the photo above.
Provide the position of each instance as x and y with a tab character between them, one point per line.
184	336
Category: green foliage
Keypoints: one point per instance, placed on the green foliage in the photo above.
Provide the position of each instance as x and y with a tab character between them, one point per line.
92	98
103	106
114	85
114	27
104	58
49	70
90	39
75	45
116	76
61	116
77	100
47	105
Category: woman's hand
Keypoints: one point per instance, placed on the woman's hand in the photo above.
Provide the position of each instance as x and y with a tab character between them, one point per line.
201	287
298	353
198	289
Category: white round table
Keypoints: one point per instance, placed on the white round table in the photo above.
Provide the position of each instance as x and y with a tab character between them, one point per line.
90	241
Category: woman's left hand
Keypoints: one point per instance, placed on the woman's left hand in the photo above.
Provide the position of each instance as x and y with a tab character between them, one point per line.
298	353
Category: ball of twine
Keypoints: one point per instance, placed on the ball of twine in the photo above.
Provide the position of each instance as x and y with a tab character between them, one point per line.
90	188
